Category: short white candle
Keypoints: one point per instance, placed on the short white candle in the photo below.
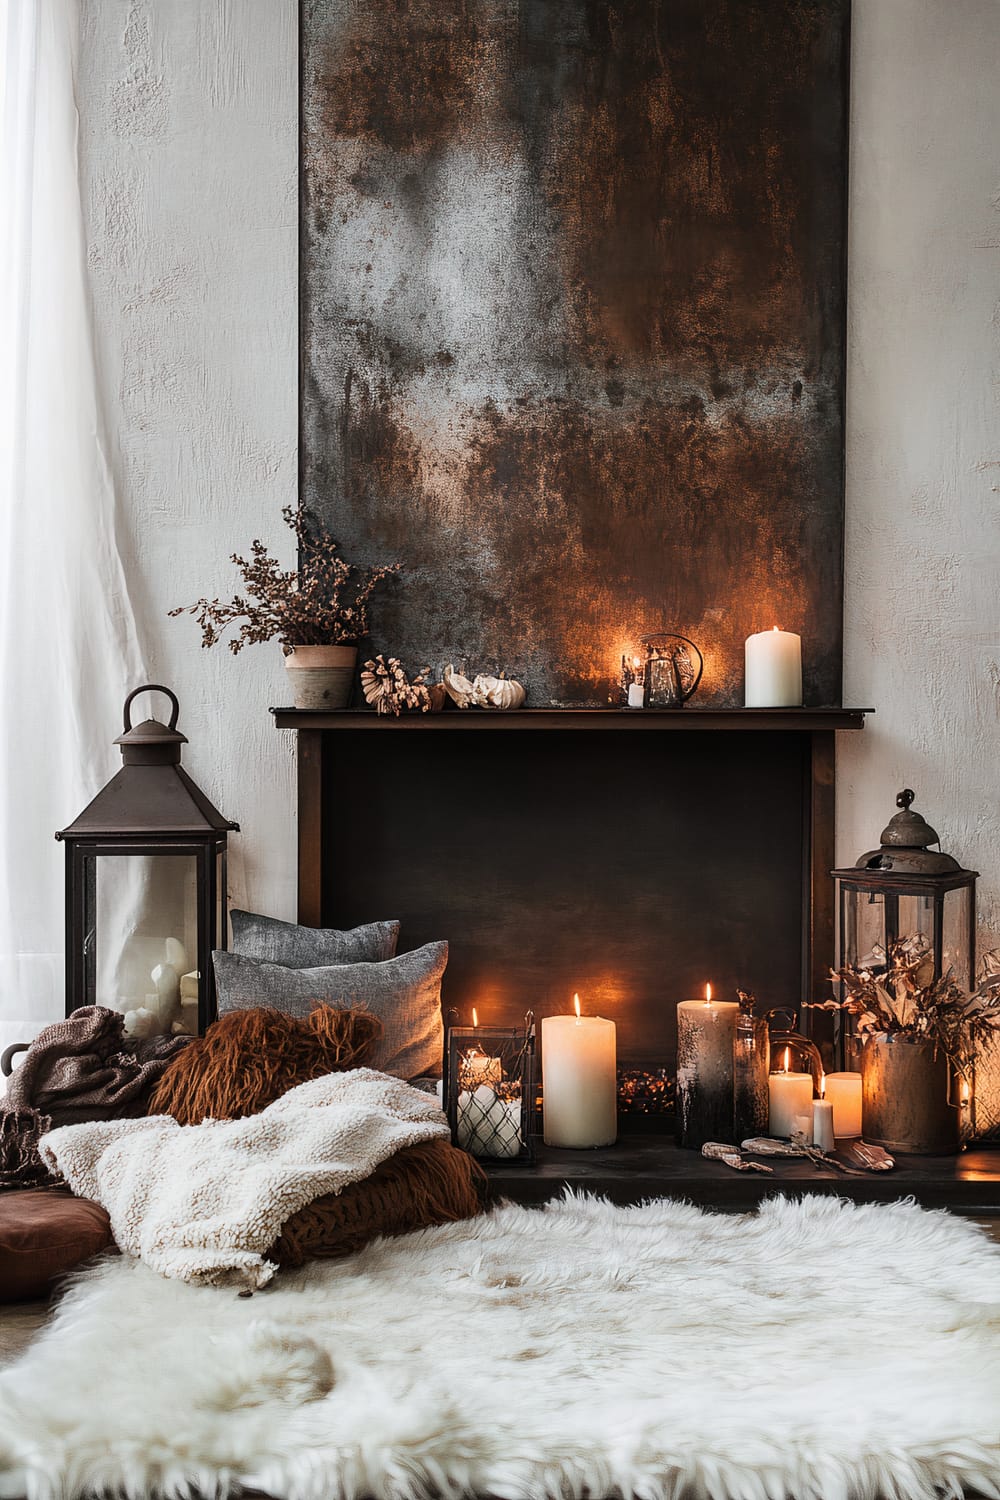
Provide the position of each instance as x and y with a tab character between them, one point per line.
706	1041
822	1124
843	1090
773	670
636	695
488	1125
579	1080
789	1094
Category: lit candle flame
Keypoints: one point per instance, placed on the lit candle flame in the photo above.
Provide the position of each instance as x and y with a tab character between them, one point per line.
965	1092
708	994
775	629
475	1017
576	1002
788	1058
822	1087
636	663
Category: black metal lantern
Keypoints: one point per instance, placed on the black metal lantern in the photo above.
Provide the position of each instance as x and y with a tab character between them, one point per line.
906	889
146	886
489	1089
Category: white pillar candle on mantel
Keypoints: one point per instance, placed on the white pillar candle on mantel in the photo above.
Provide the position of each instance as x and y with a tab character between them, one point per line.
579	1080
773	670
706	1042
843	1090
789	1095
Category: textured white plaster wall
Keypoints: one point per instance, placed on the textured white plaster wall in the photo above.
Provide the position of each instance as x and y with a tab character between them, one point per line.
923	449
188	120
189	148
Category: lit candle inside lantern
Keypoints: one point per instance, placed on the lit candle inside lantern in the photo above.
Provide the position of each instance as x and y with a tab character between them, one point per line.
789	1095
477	1068
637	689
843	1090
579	1080
773	670
706	1040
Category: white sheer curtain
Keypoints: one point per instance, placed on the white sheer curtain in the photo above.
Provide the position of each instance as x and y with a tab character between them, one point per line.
68	644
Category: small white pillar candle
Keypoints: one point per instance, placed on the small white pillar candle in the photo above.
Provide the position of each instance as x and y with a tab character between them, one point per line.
579	1080
773	670
706	1041
843	1090
636	695
789	1095
822	1124
488	1125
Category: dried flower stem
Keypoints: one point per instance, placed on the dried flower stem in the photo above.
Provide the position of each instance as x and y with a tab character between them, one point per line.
323	602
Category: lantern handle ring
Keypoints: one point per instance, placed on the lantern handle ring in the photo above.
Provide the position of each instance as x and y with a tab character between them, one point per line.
150	687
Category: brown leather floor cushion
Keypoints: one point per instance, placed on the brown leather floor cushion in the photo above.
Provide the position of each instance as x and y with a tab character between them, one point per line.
45	1232
433	1183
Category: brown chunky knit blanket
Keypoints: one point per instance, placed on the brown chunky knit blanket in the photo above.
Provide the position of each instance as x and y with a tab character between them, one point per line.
83	1068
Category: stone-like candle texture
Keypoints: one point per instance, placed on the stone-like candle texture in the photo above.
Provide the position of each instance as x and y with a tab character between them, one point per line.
773	670
579	1080
706	1038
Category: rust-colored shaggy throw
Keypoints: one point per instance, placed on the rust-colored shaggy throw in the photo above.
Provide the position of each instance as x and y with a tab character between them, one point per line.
248	1058
433	1183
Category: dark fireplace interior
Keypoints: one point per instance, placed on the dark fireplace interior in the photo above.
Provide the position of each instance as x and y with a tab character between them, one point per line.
629	867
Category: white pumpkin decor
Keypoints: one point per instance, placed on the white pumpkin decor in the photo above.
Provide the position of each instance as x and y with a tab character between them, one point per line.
484	691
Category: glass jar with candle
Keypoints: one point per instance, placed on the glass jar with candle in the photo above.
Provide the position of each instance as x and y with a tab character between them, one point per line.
489	1089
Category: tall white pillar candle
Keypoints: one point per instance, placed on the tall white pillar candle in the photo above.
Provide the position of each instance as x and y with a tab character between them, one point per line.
773	670
843	1090
706	1040
579	1080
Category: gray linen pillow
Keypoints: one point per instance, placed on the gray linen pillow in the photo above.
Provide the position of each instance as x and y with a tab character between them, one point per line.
404	992
296	947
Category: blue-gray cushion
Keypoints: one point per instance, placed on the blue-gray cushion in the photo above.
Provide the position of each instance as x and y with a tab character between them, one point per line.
403	992
275	942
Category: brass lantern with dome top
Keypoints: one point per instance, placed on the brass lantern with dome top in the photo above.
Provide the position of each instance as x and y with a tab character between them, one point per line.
904	888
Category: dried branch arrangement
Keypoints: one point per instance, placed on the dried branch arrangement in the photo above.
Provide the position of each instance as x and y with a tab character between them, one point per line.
323	602
897	993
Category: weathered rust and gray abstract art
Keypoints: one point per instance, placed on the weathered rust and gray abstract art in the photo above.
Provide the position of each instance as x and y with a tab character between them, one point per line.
572	323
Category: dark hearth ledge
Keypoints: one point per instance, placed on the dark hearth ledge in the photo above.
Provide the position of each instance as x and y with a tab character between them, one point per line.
798	720
646	1164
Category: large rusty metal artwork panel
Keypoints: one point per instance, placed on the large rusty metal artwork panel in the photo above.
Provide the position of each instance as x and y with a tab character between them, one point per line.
572	323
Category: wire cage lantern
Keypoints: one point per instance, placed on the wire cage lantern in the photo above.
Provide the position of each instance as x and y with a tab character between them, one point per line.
489	1089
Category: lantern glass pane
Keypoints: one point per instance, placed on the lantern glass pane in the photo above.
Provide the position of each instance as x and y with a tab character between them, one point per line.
145	935
915	917
864	927
955	954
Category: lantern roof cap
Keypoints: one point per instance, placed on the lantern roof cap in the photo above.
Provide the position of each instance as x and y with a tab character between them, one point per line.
152	796
905	846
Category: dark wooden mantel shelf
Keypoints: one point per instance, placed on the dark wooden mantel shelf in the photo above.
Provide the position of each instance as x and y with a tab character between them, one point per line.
799	720
647	1164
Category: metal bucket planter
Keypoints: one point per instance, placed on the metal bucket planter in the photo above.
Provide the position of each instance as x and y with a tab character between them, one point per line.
906	1097
321	676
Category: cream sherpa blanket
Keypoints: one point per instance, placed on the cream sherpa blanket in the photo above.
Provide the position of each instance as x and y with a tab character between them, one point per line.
203	1203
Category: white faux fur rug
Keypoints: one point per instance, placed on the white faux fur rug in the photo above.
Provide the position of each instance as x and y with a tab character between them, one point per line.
813	1350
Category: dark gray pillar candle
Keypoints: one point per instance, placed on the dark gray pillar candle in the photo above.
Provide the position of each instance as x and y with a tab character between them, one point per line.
706	1036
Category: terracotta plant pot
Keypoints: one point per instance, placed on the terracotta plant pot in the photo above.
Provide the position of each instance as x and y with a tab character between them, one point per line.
321	676
906	1097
